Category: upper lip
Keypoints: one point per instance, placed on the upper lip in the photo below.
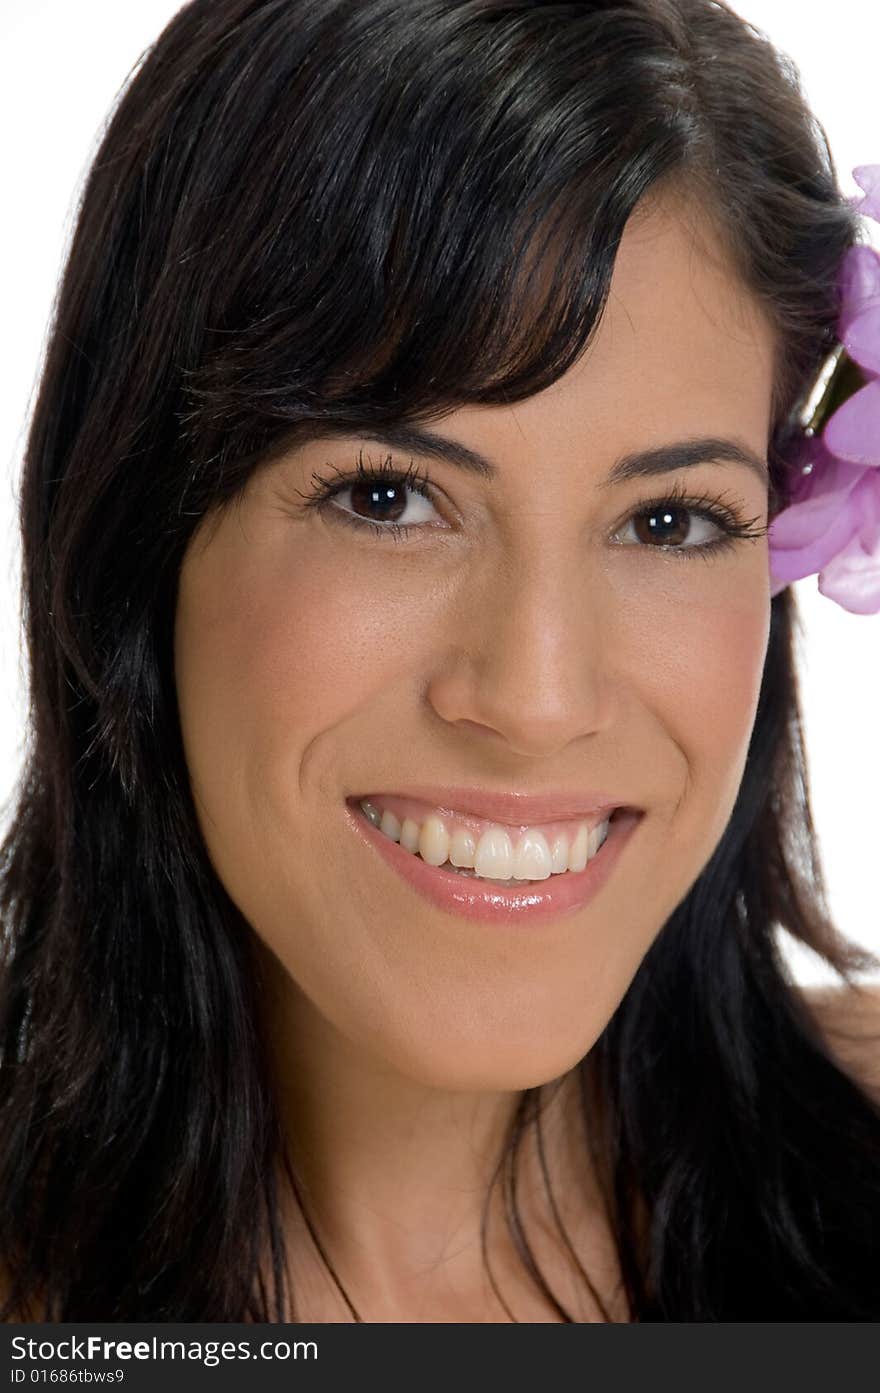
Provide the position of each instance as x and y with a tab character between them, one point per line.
515	809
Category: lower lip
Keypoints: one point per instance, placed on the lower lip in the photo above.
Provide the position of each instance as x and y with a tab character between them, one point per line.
536	901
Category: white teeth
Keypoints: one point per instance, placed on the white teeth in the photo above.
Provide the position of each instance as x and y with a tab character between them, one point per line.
577	857
409	835
433	841
533	860
560	855
596	838
492	856
462	848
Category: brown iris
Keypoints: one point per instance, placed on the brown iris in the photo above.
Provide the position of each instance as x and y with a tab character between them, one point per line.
664	525
390	499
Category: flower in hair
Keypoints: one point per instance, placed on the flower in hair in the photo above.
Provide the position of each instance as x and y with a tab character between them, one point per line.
831	525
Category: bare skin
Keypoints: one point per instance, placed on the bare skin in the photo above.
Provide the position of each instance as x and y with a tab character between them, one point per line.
850	1022
524	636
442	1281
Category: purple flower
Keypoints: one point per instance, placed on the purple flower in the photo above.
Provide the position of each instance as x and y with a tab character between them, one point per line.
867	176
832	522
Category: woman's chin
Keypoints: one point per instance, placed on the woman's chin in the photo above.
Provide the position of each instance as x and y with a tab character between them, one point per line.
482	1062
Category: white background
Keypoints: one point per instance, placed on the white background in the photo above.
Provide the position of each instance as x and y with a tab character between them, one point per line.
61	65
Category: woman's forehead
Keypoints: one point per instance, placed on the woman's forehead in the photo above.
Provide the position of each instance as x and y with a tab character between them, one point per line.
678	314
682	348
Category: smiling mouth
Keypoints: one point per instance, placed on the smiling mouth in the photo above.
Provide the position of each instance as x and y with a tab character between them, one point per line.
494	852
502	900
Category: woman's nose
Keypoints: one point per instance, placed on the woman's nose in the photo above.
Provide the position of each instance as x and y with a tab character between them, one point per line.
528	664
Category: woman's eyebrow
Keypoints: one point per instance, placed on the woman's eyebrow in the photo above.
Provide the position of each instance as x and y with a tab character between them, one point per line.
417	441
661	459
684	454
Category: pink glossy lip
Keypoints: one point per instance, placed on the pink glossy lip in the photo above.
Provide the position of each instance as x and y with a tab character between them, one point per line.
514	809
532	903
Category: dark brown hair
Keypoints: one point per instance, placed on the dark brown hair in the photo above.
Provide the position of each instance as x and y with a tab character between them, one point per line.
309	216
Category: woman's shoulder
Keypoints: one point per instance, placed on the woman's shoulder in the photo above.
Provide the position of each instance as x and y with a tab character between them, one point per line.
849	1020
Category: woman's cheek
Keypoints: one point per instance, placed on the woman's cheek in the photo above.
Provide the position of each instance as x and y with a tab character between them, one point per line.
707	680
297	630
334	634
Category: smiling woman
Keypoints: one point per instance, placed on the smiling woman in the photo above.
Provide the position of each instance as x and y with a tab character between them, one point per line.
415	783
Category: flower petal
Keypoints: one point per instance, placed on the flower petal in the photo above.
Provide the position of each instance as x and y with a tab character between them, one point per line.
859	283
867	176
829	478
826	514
799	548
861	338
853	432
832	522
852	579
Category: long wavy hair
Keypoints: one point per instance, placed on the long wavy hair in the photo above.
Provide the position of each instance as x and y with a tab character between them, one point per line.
304	216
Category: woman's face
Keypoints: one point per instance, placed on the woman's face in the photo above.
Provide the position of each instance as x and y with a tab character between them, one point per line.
544	631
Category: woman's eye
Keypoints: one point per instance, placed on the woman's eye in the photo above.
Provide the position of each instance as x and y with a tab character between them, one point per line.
392	502
672	525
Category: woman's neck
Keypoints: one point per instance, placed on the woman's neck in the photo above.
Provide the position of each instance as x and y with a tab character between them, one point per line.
389	1180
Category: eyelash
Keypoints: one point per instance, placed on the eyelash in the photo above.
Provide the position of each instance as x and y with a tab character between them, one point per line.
734	527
